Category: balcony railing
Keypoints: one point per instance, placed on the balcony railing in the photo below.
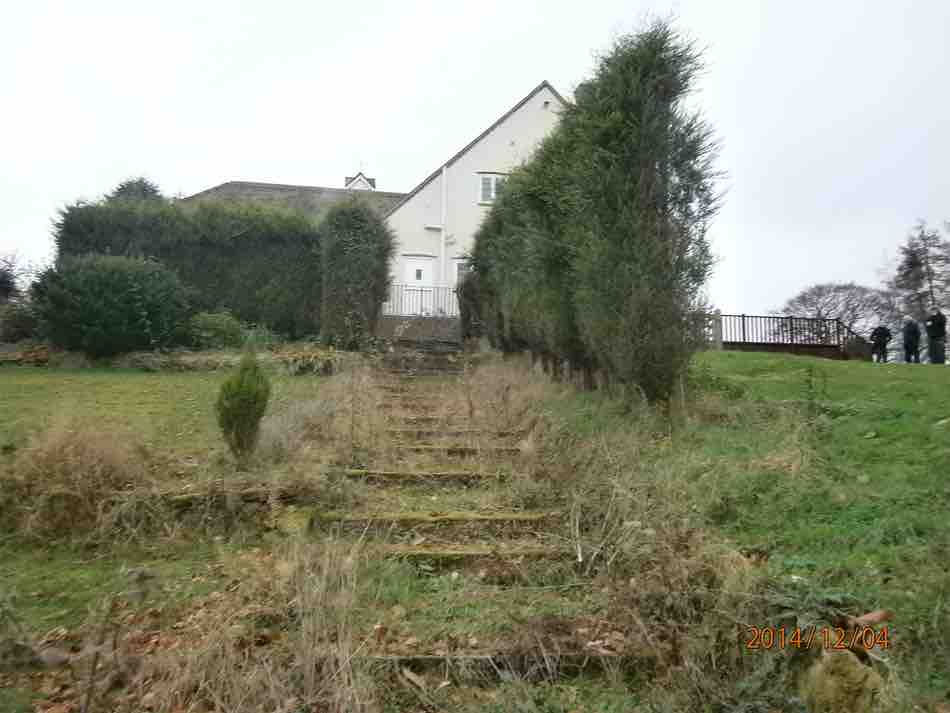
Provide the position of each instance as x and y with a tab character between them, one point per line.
776	329
418	301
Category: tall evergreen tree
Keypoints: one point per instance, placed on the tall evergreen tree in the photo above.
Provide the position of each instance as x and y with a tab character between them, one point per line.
923	273
596	252
650	178
136	189
357	249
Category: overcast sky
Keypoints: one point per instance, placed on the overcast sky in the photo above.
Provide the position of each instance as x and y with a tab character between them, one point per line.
834	116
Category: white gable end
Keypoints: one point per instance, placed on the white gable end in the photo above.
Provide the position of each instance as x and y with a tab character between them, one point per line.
438	220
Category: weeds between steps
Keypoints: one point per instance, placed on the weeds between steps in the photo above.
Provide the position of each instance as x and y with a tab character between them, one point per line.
643	508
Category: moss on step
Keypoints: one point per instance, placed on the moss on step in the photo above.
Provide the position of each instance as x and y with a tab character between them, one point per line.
435	517
412	476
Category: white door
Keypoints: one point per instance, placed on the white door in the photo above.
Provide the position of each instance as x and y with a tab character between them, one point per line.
418	295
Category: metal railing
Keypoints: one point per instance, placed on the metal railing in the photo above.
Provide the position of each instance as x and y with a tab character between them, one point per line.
774	329
417	301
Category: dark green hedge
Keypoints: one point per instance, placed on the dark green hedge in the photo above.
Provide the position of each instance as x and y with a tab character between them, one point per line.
260	263
357	249
596	254
105	304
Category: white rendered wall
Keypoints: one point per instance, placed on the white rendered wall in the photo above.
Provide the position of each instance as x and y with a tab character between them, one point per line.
510	144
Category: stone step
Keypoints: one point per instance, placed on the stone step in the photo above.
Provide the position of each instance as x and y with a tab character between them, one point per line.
502	558
413	418
444	555
526	664
428	346
413	374
414	476
461	524
448	432
416	419
427	389
410	404
458	450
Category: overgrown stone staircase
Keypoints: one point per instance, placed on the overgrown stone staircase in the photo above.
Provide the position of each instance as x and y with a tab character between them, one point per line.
528	613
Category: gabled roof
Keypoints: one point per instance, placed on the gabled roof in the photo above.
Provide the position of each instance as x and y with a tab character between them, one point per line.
314	200
432	176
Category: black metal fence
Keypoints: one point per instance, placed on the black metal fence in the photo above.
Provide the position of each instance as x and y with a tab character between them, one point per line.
415	301
773	329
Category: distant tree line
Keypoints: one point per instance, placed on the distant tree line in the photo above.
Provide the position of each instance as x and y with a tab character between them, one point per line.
919	284
223	260
595	254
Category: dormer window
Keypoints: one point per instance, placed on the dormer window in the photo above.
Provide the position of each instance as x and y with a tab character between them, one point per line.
359	182
489	186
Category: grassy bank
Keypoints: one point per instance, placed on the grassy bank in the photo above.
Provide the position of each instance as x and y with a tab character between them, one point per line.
828	477
835	473
868	515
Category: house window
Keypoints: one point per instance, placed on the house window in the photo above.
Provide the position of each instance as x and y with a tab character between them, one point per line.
418	274
462	268
490	187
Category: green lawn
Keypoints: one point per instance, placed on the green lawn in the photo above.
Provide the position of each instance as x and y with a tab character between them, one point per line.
839	471
58	587
165	410
869	513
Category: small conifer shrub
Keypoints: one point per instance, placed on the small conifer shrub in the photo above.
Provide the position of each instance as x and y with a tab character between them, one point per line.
241	404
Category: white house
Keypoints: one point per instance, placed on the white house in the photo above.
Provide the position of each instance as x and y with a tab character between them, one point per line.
435	223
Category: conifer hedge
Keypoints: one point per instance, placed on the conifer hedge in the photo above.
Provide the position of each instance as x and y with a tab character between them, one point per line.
357	248
262	264
596	254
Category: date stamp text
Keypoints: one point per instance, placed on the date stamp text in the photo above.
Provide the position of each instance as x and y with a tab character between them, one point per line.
781	637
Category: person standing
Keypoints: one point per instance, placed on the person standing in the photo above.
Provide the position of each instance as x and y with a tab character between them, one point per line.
911	333
936	337
880	336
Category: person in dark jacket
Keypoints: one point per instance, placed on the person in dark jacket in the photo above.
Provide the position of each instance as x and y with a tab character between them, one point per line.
936	337
880	336
911	333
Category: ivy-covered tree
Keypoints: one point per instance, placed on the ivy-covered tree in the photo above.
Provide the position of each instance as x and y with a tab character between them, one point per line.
357	248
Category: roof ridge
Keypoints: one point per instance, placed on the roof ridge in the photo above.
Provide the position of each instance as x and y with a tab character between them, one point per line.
264	184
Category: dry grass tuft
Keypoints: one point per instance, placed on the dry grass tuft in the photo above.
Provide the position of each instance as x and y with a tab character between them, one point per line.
505	393
289	433
342	425
67	478
291	647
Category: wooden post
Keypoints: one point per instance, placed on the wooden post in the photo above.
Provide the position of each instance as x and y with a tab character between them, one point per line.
743	328
717	329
